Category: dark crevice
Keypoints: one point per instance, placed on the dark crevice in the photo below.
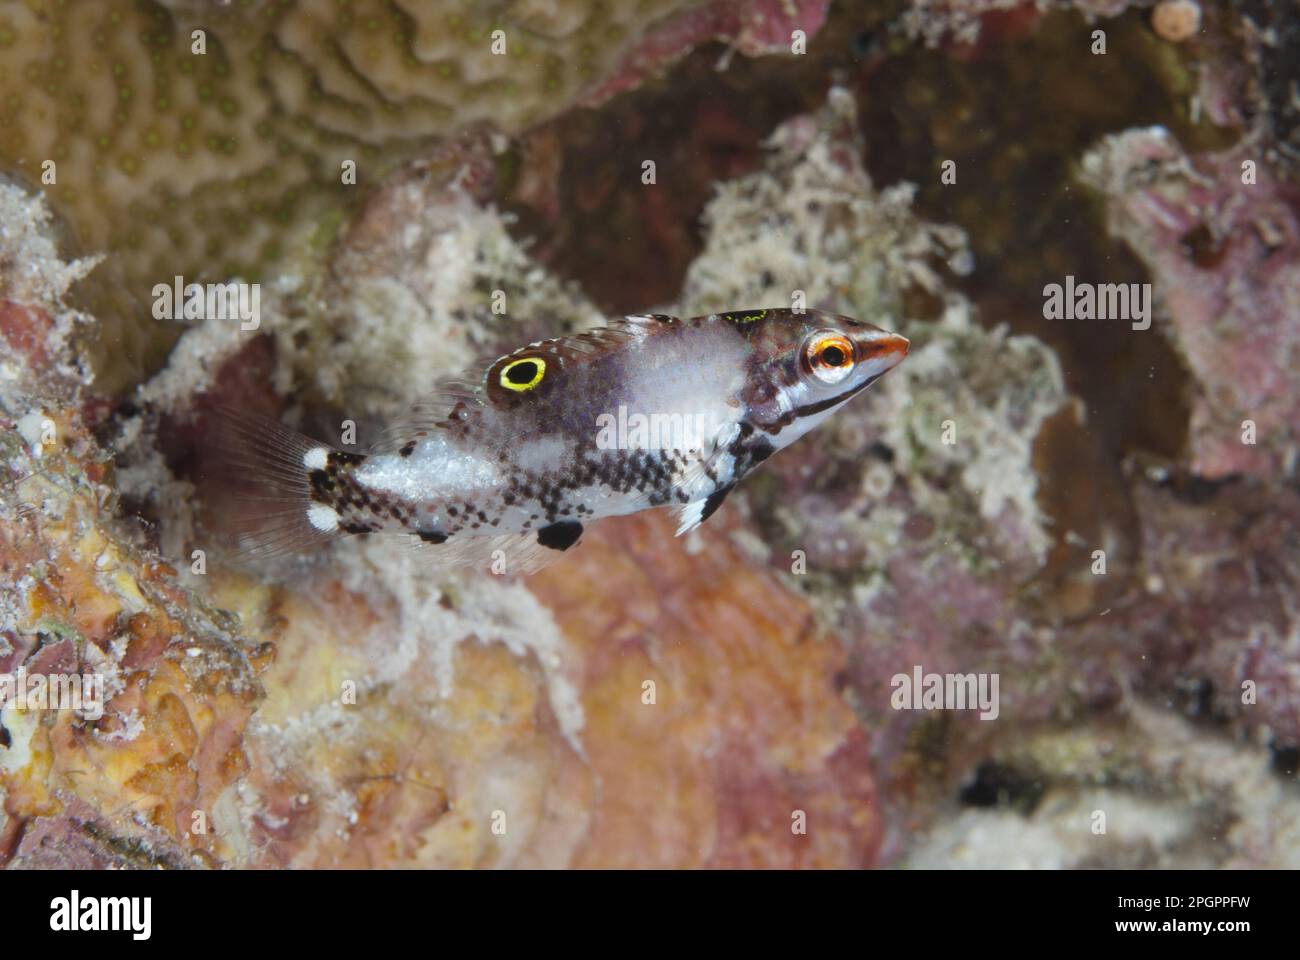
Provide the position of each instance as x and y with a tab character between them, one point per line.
998	785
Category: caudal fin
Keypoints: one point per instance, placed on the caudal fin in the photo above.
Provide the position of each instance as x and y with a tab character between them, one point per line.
267	468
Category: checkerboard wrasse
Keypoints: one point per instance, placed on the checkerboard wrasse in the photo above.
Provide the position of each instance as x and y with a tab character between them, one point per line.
508	464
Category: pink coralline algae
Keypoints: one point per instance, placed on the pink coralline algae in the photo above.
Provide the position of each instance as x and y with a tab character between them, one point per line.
1221	236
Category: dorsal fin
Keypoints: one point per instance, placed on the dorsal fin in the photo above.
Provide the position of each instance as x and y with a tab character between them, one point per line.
425	414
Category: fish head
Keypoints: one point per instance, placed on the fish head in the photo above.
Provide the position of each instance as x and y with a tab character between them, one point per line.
804	365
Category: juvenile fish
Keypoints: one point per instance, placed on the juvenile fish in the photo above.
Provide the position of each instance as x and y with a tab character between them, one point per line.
510	463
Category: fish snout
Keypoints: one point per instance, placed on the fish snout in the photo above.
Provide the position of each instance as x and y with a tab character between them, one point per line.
882	349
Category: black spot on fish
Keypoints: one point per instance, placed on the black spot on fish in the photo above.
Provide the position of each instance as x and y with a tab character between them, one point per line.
560	536
432	536
714	501
408	448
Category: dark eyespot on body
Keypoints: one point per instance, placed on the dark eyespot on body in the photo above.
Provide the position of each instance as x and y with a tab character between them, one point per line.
522	373
432	536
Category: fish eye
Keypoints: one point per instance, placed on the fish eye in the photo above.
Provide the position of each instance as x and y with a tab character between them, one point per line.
523	374
828	357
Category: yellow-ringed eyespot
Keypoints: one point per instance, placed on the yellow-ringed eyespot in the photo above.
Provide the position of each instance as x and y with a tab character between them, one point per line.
522	374
828	356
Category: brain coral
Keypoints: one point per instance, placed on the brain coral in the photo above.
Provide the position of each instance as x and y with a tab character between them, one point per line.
204	139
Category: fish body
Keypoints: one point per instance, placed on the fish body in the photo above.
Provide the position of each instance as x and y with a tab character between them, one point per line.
650	411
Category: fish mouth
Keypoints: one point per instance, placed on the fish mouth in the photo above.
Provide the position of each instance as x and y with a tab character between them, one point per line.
882	349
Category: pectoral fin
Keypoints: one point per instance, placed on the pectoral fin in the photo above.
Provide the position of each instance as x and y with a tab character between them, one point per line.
697	511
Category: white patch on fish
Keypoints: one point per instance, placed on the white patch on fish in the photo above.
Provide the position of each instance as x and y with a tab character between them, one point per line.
317	458
323	518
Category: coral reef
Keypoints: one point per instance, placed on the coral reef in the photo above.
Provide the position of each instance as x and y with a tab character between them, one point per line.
970	22
177	681
1077	513
932	480
951	556
1221	238
213	141
379	720
1150	791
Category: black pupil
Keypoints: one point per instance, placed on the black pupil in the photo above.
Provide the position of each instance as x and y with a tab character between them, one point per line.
832	356
522	372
